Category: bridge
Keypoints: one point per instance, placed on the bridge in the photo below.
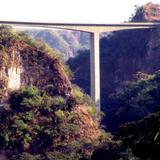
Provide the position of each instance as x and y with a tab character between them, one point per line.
94	30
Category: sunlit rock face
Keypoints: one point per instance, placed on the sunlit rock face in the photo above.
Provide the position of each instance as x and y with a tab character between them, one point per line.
14	78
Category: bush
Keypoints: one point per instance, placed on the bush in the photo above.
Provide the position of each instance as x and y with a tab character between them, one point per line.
25	99
24	156
6	33
62	156
59	101
60	114
77	94
37	123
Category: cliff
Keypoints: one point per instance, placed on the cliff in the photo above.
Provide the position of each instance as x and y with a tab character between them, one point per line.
42	115
23	64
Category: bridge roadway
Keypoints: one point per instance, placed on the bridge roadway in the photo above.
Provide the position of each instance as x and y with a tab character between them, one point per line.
94	30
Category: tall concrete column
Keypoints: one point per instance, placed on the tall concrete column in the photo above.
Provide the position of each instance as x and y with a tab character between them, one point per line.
95	68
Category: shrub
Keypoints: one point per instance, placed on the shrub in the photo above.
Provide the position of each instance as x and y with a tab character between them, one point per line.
77	94
37	123
46	104
62	156
25	99
59	101
24	156
60	114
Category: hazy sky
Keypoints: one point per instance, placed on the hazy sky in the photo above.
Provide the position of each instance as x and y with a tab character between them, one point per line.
77	11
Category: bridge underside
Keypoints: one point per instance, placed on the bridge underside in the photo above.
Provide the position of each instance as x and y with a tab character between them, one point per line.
94	30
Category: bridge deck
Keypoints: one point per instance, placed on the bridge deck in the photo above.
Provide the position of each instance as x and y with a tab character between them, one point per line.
85	27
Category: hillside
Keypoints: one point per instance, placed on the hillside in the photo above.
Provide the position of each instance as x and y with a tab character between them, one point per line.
122	55
139	139
67	43
42	115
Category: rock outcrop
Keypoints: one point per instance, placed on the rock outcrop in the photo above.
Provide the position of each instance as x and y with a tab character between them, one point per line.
147	13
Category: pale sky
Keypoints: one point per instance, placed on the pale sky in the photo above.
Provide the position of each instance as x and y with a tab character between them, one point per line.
69	11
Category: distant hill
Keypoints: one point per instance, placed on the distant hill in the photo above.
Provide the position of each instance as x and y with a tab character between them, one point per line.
67	43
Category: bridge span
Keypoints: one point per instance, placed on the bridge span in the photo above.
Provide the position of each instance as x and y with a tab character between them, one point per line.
94	30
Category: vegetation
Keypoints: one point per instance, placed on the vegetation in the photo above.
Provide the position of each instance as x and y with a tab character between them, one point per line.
37	126
8	36
143	137
81	75
44	124
136	100
138	139
47	118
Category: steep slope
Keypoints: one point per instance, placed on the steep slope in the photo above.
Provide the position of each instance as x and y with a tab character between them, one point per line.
42	116
23	64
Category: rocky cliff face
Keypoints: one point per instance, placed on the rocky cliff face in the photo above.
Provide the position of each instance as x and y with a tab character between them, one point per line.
22	64
147	13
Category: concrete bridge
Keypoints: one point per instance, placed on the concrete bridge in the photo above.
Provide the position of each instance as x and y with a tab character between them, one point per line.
94	30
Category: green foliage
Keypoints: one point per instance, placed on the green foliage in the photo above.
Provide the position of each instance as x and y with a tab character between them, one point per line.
24	37
34	123
59	114
137	99
62	156
92	110
67	70
46	104
24	156
78	95
142	136
37	124
39	44
23	122
59	101
3	56
81	98
25	99
6	34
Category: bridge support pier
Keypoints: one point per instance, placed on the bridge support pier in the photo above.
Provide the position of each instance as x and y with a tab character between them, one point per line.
95	68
